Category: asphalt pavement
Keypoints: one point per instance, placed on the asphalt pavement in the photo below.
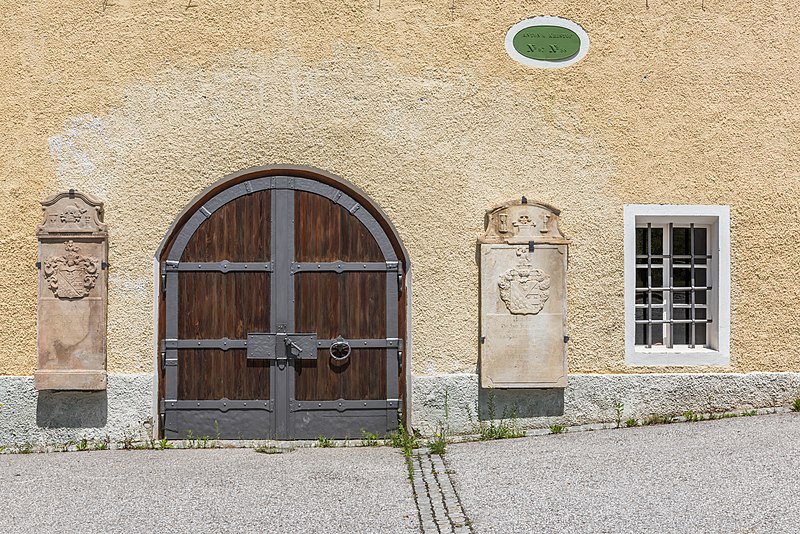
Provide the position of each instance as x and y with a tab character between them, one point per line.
360	490
729	476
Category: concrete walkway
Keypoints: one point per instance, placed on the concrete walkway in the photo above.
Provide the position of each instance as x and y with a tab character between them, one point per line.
727	476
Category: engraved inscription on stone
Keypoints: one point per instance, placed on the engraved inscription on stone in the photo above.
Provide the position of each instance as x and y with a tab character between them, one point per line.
523	288
71	276
523	304
71	324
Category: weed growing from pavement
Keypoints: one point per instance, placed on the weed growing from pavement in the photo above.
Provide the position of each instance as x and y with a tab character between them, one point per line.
750	413
618	408
325	442
164	444
270	449
631	422
726	415
83	445
368	439
796	405
438	444
402	439
23	448
692	417
128	438
656	419
557	429
501	429
102	444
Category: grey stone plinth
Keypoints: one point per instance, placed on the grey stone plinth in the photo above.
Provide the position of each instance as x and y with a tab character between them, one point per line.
125	408
458	400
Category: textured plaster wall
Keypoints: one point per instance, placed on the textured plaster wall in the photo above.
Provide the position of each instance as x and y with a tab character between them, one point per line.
146	103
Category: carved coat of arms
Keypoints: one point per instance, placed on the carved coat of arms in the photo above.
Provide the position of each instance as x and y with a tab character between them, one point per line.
71	276
524	290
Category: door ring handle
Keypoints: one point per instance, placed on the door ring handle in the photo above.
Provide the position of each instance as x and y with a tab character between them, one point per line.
340	349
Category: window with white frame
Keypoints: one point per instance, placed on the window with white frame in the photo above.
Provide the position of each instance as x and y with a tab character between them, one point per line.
677	285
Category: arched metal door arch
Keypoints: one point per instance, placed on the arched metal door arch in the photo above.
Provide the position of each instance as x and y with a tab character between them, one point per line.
282	312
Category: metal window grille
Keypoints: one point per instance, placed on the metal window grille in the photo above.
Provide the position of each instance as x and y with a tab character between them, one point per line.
672	285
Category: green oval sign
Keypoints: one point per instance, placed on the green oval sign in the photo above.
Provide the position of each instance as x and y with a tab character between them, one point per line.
547	43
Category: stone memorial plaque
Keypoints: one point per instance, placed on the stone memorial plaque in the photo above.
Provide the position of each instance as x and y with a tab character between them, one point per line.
523	263
71	325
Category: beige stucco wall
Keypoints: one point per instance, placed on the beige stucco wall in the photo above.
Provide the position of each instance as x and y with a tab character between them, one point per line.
145	103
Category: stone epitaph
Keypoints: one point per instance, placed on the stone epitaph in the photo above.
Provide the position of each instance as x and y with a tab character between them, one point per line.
71	325
523	263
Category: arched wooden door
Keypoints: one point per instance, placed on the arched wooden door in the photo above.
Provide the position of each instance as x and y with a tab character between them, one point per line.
282	311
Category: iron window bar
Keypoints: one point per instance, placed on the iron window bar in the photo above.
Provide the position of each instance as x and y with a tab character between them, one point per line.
668	292
678	289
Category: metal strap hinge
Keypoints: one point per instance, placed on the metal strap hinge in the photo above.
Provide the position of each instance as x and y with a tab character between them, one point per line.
394	342
392	265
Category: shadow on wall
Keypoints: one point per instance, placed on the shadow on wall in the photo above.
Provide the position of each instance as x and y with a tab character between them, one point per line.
72	409
524	403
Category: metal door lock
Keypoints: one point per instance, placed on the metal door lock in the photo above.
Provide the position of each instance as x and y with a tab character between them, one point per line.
291	346
281	346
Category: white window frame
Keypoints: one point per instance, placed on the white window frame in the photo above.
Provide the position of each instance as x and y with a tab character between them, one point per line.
718	220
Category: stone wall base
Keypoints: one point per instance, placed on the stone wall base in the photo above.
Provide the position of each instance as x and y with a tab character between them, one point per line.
56	417
458	400
125	409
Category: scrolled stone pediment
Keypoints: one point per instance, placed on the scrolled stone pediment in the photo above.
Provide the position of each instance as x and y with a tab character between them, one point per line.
72	212
523	221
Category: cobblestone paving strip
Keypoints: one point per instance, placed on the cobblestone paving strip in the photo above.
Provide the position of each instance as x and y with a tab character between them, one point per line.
439	506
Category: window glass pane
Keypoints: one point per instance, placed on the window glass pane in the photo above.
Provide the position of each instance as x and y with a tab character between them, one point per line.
680	297
680	334
700	313
657	297
700	243
681	277
640	334
641	277
700	335
658	334
641	241
700	277
657	242
680	313
680	241
658	329
658	277
701	297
